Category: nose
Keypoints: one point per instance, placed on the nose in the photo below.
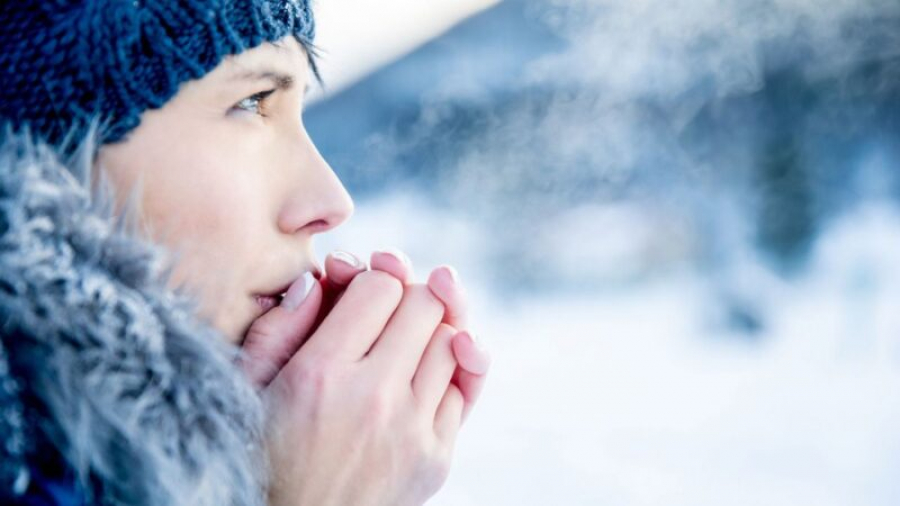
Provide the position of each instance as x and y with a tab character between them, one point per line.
319	202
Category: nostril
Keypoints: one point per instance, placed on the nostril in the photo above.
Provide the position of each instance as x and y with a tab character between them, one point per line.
317	226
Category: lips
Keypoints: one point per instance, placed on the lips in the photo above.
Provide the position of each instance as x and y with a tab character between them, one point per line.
267	302
271	298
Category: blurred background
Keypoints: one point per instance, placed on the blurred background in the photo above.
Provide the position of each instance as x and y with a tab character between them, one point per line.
678	222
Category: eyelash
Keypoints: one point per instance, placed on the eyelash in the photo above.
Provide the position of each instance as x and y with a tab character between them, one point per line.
259	98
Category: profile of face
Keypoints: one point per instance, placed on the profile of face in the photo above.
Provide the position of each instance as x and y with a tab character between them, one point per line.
228	179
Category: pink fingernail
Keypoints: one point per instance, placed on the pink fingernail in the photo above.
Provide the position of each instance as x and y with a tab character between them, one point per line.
454	276
483	360
347	258
399	255
298	291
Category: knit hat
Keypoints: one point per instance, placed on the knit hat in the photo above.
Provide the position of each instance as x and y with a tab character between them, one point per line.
67	63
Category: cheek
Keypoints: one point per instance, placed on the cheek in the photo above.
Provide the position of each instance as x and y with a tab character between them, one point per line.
197	202
206	199
214	222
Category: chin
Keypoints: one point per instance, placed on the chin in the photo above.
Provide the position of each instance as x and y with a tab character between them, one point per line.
235	335
235	327
241	324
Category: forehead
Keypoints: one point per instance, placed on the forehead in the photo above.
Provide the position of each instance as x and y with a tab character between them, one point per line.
284	56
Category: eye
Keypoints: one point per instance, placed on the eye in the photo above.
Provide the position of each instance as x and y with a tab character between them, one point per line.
253	103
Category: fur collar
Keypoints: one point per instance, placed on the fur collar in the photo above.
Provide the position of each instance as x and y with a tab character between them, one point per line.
99	361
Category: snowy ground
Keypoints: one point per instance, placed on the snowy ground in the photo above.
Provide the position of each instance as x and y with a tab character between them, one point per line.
634	396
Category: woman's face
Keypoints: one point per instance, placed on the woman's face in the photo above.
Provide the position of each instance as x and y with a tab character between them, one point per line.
231	182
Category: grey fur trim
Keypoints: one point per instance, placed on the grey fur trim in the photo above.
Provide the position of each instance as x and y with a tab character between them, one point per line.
138	394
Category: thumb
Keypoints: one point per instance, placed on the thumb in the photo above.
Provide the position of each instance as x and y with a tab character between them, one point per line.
275	336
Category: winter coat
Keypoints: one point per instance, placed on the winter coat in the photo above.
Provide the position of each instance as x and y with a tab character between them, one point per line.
112	390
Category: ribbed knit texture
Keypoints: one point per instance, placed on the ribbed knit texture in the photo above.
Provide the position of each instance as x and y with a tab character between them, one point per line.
66	62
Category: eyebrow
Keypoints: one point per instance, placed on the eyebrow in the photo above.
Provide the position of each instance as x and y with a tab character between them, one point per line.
281	80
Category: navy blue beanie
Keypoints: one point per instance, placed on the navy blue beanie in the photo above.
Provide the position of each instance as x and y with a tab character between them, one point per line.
67	63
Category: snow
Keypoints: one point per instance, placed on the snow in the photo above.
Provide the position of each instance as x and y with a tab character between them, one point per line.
637	395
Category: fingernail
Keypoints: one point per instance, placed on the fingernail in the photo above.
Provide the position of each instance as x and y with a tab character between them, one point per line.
399	255
298	291
347	258
454	276
481	361
316	271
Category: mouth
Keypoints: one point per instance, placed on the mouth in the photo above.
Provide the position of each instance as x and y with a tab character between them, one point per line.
267	302
273	298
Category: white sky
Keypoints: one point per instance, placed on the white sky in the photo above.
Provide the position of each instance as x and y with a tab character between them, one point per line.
358	36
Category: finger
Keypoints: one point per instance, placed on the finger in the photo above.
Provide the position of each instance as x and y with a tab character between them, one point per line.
470	385
399	348
444	282
448	419
471	357
277	335
358	318
340	268
474	362
393	262
435	370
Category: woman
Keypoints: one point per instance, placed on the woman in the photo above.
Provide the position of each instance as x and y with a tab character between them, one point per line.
158	195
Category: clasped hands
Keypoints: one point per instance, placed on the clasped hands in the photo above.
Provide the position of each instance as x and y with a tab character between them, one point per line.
366	382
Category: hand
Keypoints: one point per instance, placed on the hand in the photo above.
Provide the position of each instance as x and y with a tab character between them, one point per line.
276	336
474	361
362	414
341	269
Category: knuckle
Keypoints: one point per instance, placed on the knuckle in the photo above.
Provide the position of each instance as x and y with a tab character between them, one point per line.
260	332
381	283
445	331
378	408
422	296
455	397
436	470
427	296
440	468
312	374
